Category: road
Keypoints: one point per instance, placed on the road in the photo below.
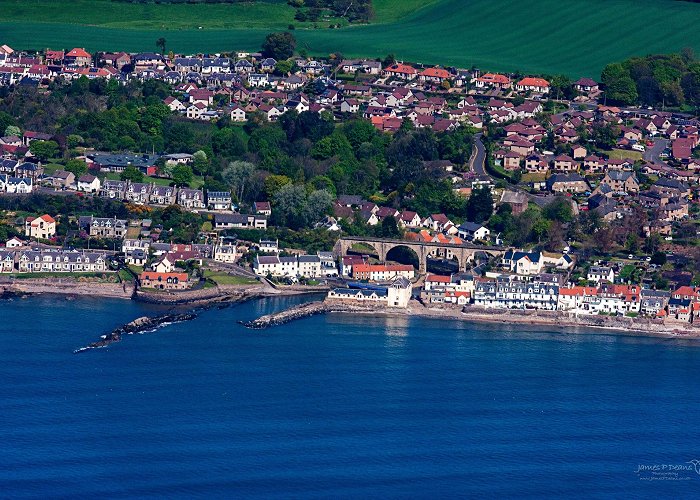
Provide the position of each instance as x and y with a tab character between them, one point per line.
477	162
653	153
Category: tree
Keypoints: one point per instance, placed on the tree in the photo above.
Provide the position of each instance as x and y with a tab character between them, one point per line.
12	130
160	43
290	206
273	183
335	144
283	68
619	86
132	174
182	175
74	140
390	228
561	87
480	204
6	121
279	45
605	135
318	204
78	167
237	175
43	149
229	142
558	210
659	258
555	236
200	162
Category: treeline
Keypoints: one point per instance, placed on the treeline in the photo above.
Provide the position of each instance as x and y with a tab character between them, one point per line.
671	80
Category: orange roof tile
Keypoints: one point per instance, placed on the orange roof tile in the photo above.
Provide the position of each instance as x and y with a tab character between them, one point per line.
533	82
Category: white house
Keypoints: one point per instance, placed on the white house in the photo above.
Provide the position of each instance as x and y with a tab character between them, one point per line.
596	274
472	231
19	185
89	184
225	253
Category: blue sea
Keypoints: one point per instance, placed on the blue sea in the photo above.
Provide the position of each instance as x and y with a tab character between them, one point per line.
337	406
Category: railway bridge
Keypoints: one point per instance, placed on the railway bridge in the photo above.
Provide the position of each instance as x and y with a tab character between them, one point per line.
464	253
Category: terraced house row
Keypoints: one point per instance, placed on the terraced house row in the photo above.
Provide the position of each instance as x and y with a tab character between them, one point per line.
551	292
52	261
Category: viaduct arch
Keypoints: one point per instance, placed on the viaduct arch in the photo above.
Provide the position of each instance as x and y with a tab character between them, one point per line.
464	253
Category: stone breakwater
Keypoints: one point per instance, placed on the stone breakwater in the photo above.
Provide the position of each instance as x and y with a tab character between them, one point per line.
303	311
139	325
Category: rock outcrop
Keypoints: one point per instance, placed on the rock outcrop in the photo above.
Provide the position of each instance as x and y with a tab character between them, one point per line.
139	325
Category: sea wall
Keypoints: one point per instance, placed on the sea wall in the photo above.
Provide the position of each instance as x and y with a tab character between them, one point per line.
66	286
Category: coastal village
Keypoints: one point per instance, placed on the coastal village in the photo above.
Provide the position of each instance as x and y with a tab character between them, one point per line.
531	148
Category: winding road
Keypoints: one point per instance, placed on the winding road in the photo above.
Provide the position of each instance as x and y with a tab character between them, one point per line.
477	162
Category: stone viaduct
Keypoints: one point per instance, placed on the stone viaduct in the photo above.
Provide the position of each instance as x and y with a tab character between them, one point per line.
464	253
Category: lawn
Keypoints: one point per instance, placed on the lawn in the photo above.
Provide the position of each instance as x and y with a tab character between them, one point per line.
227	279
533	177
577	37
623	154
50	168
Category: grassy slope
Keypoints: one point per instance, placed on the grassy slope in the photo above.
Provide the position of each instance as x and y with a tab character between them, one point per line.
577	37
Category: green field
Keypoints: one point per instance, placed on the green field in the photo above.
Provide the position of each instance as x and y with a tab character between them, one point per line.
577	37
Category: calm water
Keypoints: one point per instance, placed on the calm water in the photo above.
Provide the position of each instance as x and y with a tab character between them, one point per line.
335	406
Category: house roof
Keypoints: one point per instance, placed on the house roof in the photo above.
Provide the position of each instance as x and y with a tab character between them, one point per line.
533	82
77	52
402	68
435	73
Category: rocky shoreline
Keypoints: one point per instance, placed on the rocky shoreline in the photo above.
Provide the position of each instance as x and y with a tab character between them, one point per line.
139	325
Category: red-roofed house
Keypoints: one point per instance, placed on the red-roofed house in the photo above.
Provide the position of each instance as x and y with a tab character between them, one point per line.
533	84
78	57
164	281
435	75
399	70
493	80
263	208
42	228
54	57
682	148
382	272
